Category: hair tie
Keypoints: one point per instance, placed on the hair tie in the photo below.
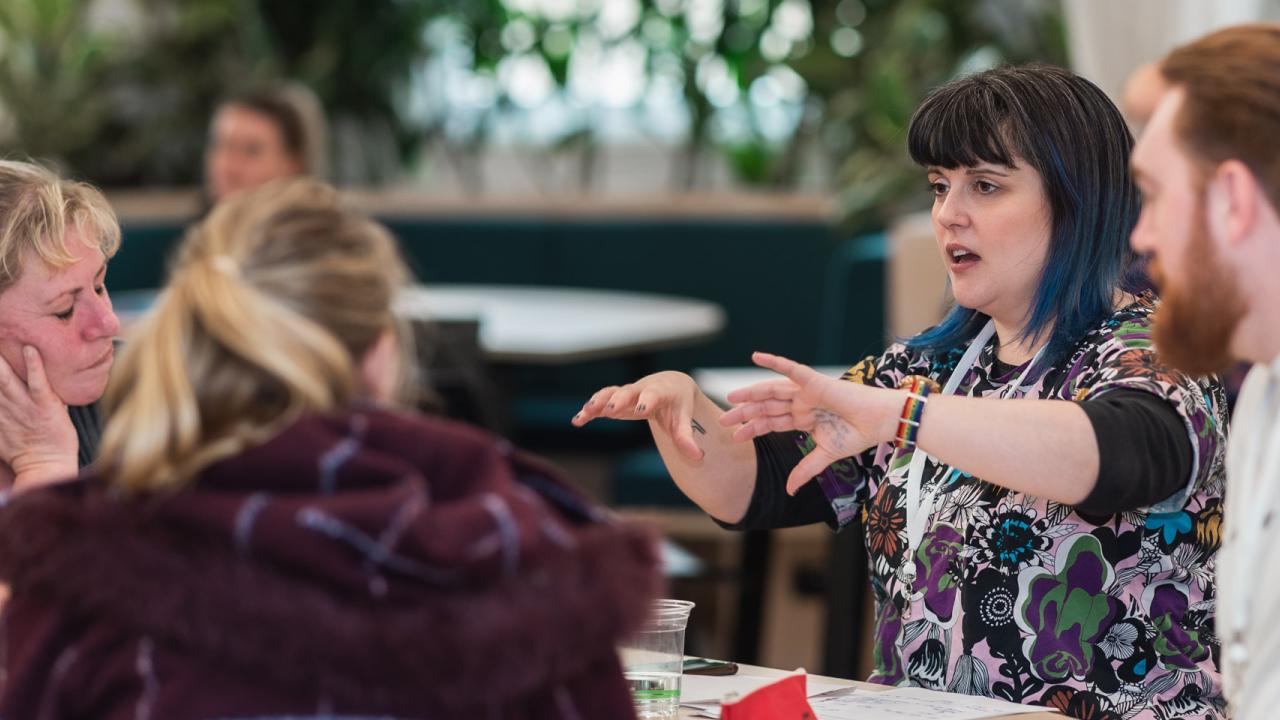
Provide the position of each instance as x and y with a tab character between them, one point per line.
224	264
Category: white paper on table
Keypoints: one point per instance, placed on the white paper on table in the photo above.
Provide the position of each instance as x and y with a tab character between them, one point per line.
704	692
711	689
914	704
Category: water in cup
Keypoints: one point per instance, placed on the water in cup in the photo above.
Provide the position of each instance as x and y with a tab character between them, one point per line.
653	658
656	694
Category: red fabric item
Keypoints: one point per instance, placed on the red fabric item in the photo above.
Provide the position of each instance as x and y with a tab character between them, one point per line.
783	700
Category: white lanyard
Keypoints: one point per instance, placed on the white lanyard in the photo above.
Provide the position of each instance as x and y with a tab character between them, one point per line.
918	511
1262	468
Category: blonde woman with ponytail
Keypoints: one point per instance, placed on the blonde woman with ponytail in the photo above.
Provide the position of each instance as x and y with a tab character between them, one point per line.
263	535
278	307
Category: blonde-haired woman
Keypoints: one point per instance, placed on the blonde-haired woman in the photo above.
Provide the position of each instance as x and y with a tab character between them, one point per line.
262	537
56	322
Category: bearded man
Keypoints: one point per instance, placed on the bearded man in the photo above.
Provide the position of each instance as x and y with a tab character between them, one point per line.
1208	165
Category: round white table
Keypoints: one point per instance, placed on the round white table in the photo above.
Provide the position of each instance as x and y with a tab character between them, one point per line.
553	325
542	325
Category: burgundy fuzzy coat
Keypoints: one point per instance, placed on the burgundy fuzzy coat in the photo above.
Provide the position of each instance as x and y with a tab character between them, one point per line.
366	565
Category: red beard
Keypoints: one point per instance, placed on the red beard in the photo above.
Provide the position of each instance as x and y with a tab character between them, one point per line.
1197	317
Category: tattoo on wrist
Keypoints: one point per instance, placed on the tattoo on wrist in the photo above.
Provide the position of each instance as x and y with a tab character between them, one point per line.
824	419
698	428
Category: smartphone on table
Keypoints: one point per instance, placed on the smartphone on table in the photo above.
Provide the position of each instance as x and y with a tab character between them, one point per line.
705	666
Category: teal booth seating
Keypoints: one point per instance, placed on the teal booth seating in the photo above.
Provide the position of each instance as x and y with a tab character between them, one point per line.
788	285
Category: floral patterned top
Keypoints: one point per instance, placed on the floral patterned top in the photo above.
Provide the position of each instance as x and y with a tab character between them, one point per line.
1033	601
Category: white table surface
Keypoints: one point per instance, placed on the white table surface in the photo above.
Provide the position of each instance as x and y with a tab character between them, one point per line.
717	383
544	325
561	325
753	671
823	682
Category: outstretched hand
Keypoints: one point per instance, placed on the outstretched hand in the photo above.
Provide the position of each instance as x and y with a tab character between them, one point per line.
37	439
843	418
666	399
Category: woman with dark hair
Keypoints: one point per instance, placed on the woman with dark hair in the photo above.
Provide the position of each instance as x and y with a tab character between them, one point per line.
1041	496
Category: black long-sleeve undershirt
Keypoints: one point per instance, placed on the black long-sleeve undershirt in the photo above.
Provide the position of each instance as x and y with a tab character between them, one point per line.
1144	456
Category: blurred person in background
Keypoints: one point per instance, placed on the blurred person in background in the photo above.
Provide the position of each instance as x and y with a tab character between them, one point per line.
56	322
263	135
1142	91
263	536
280	132
1209	169
1041	496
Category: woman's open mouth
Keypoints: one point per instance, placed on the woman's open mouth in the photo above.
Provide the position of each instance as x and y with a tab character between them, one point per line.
959	258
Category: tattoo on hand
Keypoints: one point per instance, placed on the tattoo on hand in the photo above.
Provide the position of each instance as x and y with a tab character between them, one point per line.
832	423
698	428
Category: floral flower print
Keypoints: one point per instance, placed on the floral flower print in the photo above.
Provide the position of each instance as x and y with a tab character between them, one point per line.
927	666
1209	525
1187	703
1064	612
1179	630
886	523
1033	601
1016	537
989	609
1170	528
938	576
1079	703
1120	639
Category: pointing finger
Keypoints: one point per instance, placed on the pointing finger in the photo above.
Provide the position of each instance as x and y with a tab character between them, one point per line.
798	372
779	388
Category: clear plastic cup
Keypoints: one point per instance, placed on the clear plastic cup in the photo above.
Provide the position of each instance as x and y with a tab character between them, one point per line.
653	658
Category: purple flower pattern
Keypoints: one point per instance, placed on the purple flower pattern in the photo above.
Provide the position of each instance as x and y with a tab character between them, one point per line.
1028	600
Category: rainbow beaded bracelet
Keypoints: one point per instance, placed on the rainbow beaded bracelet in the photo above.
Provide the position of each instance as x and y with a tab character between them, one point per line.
918	388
